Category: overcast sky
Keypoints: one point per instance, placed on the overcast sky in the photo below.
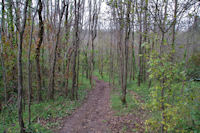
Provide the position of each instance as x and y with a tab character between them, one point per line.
104	15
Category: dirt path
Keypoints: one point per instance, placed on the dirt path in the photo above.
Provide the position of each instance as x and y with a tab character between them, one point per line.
91	117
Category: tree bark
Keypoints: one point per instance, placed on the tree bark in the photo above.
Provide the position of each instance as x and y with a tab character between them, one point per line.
21	30
140	43
52	77
11	25
70	52
174	25
37	52
30	68
145	40
2	39
133	65
75	45
127	34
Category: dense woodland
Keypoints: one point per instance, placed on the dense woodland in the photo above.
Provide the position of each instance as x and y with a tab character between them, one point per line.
51	50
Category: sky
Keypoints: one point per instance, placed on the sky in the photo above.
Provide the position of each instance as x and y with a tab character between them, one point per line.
103	16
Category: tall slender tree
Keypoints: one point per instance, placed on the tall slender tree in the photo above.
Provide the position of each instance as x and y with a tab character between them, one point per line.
30	65
2	54
140	53
21	29
52	76
126	51
37	51
75	46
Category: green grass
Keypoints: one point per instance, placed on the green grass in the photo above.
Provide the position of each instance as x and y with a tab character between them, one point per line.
119	107
132	103
105	76
45	115
141	90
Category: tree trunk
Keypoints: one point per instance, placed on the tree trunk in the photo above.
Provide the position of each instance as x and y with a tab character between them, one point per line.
111	57
140	44
127	34
29	70
37	52
133	65
21	30
2	39
20	84
174	25
162	106
52	76
11	25
75	45
145	39
70	52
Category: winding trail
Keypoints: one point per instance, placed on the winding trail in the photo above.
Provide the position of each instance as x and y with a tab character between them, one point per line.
92	116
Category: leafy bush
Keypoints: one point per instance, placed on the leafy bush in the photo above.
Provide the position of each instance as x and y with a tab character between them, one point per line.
193	69
174	102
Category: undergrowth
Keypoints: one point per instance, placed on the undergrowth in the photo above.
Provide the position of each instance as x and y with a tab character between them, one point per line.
46	115
185	116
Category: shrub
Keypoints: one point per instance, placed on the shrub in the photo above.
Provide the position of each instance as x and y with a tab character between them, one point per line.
193	69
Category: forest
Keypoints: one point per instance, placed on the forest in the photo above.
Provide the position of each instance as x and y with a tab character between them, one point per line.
100	66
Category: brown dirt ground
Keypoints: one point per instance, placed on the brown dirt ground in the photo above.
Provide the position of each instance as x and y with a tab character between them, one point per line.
96	116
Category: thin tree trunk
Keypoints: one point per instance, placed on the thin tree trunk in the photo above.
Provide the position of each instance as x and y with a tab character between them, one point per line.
88	68
66	42
11	25
75	45
140	43
37	52
77	77
2	39
111	56
70	52
163	29
133	65
21	30
20	84
52	77
162	106
174	26
67	30
145	38
29	70
127	34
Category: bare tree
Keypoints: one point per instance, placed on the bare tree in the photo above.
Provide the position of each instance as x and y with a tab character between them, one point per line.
21	29
75	46
37	52
30	67
126	52
140	53
133	63
2	55
52	76
93	33
70	50
174	24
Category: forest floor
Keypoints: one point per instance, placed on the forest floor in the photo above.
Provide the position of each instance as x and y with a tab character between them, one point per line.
96	115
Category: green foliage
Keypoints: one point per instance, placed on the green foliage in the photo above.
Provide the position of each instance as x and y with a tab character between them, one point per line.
119	107
193	69
45	114
1	84
105	76
171	95
141	90
132	102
